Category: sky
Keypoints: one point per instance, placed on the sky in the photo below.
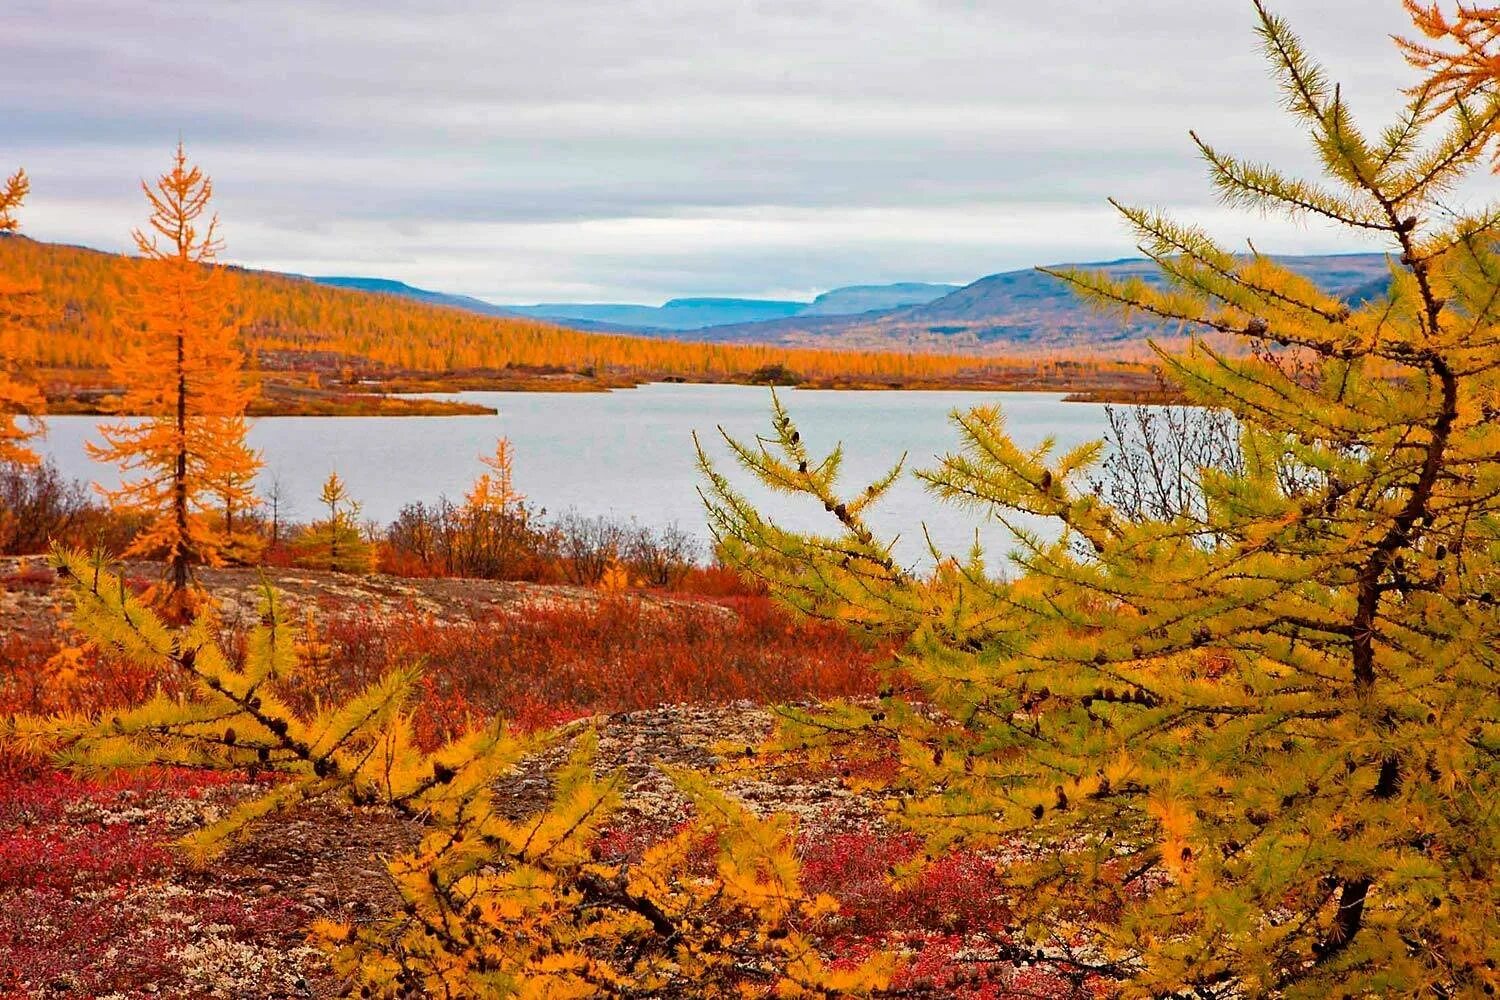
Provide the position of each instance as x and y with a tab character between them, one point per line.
636	150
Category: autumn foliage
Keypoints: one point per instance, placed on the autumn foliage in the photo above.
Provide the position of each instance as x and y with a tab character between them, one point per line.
1249	746
336	541
20	311
1227	729
491	904
540	664
184	374
78	872
291	324
1459	52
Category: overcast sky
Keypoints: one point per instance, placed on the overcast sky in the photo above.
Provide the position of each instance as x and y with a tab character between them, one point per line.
634	150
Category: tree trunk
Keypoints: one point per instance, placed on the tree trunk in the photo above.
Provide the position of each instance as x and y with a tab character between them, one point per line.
180	501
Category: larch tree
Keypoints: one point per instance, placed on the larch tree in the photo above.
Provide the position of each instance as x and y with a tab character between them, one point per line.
17	187
1459	51
242	544
20	311
494	491
335	542
183	373
494	519
1250	747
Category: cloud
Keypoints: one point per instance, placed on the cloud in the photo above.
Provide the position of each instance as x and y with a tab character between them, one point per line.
640	149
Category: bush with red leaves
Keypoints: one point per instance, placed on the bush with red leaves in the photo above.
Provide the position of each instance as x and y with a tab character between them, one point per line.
41	675
542	664
949	917
952	894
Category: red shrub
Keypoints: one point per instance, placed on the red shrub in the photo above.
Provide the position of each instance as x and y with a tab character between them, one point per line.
34	577
718	580
541	664
59	860
956	893
947	965
950	917
119	939
43	675
32	794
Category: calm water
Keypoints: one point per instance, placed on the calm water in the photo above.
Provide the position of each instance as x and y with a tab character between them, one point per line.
630	453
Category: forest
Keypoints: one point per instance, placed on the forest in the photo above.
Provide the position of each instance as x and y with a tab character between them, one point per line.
312	344
1227	726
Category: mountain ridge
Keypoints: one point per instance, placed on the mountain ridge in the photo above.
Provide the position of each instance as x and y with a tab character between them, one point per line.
1024	312
1035	309
682	314
1018	311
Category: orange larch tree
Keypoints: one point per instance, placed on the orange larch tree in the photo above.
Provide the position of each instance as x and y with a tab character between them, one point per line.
494	490
1461	53
20	309
183	372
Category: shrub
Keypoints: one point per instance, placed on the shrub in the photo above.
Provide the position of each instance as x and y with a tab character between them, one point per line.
38	507
660	558
956	894
541	664
445	539
335	543
84	907
589	547
42	675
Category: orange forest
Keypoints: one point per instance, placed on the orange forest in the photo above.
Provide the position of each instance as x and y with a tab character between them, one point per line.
285	324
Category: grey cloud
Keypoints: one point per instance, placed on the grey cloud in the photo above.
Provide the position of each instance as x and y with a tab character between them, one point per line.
531	149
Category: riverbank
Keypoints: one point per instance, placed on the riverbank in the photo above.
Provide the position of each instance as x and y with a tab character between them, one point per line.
279	397
327	391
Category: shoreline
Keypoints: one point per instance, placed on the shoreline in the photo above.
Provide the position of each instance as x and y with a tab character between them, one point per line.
295	394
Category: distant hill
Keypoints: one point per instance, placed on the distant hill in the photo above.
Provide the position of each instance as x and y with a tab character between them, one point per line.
347	331
675	315
1020	292
1032	308
704	313
1023	311
1027	311
385	286
857	299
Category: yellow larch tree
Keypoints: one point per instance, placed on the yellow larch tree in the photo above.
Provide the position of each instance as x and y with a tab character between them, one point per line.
242	541
183	372
1247	746
1460	52
487	903
336	542
494	490
19	311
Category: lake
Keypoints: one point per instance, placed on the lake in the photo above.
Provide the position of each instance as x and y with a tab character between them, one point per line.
629	453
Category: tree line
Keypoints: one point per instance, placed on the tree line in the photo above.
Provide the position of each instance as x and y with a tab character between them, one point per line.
80	311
